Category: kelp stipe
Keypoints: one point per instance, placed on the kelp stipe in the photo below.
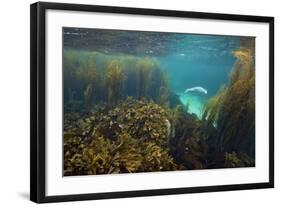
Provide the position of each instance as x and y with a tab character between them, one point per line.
115	81
88	95
144	69
164	92
87	75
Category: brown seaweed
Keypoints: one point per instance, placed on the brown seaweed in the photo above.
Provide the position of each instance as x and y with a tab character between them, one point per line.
233	108
115	80
132	137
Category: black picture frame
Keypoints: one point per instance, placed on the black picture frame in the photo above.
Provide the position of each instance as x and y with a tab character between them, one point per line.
38	100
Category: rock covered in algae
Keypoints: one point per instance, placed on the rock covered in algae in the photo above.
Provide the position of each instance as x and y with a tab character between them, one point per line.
142	120
132	137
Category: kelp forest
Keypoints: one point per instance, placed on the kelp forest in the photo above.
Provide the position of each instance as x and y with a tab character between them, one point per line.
123	112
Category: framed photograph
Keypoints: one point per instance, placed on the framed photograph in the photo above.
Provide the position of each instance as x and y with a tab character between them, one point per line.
129	102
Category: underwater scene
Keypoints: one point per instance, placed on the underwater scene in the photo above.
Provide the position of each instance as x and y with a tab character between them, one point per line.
139	101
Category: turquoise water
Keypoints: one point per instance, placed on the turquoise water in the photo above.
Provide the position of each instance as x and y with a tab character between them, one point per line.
203	61
190	60
200	60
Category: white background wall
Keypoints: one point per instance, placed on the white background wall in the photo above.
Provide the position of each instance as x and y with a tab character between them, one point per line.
14	100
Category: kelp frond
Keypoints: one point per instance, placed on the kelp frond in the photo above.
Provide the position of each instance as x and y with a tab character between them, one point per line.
211	109
232	109
131	137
